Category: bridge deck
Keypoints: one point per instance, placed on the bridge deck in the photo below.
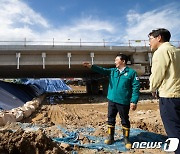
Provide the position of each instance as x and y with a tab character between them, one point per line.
61	61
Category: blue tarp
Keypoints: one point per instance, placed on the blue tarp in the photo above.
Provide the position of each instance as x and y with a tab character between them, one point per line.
13	95
137	135
97	142
49	84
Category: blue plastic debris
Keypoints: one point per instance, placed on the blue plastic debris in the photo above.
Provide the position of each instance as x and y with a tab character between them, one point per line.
13	95
48	84
137	135
97	142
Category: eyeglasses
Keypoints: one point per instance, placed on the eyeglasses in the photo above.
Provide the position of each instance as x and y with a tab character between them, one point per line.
151	38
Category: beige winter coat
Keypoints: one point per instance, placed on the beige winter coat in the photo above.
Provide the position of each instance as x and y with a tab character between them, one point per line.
166	71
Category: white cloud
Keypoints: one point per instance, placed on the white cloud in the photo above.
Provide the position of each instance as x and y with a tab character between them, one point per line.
20	21
139	25
17	19
93	25
81	30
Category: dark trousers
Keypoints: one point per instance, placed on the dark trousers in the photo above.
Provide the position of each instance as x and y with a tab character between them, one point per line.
170	114
113	109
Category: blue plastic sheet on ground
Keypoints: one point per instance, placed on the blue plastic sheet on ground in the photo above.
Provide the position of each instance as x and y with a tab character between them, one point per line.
137	135
48	84
97	142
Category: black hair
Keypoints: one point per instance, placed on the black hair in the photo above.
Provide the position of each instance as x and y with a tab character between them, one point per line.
123	57
164	33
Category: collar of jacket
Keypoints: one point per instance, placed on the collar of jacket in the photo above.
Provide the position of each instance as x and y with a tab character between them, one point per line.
165	44
124	71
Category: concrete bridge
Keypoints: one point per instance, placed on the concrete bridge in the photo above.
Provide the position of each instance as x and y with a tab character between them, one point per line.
20	61
23	59
65	61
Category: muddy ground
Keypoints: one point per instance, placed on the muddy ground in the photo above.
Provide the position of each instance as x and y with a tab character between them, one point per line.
75	111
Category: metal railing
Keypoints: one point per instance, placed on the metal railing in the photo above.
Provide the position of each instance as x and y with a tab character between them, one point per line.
80	43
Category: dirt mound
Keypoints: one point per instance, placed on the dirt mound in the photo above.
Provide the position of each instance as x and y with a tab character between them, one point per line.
147	117
27	143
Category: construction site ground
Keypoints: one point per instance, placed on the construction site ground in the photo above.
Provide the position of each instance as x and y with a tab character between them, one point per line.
76	110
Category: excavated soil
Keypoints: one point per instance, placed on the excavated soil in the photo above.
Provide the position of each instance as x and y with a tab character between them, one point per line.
27	142
75	111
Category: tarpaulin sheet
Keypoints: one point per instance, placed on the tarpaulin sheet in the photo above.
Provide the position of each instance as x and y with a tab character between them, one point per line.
49	84
71	137
14	95
136	135
8	101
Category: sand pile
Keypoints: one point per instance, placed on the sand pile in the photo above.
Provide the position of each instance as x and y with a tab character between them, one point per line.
27	143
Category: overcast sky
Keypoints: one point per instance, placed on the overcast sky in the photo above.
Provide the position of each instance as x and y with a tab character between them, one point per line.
88	20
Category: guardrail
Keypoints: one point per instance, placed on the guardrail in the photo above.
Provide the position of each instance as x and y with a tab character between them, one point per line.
80	43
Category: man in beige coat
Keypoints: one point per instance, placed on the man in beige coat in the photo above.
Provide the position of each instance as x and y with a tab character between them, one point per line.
165	78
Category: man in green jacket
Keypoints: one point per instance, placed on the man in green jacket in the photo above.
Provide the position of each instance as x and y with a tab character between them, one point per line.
165	78
123	94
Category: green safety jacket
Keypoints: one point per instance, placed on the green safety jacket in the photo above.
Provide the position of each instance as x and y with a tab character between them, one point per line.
123	87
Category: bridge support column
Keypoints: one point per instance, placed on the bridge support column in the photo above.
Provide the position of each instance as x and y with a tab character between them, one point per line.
88	87
105	84
18	55
43	57
92	87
